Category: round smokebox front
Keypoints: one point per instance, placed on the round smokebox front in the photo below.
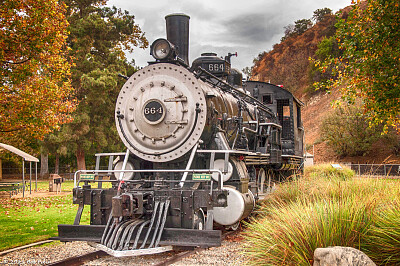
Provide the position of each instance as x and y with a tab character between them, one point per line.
160	112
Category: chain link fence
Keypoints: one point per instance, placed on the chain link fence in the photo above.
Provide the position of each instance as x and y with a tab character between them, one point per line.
16	172
376	169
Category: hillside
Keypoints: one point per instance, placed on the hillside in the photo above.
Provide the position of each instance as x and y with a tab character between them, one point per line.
288	64
292	56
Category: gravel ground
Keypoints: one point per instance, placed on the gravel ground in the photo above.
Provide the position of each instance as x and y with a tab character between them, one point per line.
228	254
46	254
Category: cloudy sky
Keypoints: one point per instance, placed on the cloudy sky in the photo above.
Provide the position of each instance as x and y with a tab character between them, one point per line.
222	26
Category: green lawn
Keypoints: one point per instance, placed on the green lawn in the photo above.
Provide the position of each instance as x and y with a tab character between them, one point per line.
27	220
43	185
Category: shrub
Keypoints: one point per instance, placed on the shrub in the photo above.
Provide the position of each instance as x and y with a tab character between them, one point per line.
347	132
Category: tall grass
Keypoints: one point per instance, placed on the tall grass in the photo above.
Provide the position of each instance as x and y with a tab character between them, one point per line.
324	208
327	171
383	238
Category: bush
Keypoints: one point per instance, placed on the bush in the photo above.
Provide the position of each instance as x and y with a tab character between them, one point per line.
347	131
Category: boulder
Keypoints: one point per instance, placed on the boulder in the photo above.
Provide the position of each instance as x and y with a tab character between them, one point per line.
341	256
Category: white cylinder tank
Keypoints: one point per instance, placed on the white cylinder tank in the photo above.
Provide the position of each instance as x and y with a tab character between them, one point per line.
239	206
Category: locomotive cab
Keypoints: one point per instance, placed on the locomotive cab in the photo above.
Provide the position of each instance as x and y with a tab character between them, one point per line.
288	110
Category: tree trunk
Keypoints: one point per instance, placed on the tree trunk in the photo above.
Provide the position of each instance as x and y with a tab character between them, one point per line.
44	165
80	158
57	166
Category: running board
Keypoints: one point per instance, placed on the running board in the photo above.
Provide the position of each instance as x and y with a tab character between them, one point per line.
130	253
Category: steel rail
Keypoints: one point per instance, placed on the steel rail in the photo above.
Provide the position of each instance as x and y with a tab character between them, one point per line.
25	246
184	254
80	260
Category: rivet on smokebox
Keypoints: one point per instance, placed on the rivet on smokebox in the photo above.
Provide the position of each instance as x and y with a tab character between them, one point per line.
151	84
135	98
172	88
142	89
162	83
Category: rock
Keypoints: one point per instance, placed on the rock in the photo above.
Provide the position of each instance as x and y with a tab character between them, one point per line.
341	256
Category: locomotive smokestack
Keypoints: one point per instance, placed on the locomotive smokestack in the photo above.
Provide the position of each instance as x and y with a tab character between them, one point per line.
178	34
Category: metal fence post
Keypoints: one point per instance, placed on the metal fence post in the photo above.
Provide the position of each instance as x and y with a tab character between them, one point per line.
23	178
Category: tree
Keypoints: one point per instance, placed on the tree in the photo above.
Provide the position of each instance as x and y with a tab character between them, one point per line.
327	47
301	25
370	64
289	31
247	71
35	91
259	57
320	14
98	37
347	132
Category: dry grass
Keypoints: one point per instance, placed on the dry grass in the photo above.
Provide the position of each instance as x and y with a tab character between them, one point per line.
325	208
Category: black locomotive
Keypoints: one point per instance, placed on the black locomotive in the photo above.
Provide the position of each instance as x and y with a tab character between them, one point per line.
202	149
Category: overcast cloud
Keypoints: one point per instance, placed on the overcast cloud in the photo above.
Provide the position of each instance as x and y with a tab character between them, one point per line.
222	26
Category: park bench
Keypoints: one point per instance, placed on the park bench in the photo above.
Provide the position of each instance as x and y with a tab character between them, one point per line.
13	188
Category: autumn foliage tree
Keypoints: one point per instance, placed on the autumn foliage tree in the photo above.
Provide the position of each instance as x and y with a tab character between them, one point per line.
35	91
369	66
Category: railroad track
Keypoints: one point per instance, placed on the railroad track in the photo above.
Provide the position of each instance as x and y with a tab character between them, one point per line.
82	259
188	253
25	246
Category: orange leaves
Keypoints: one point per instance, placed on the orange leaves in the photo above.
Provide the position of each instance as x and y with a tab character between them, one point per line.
370	61
34	69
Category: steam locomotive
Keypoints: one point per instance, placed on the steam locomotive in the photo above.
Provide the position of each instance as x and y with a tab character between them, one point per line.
202	149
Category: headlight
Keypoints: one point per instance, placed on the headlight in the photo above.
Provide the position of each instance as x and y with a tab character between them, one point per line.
162	49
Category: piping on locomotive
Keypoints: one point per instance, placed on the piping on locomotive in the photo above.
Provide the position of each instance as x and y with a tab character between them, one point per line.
202	150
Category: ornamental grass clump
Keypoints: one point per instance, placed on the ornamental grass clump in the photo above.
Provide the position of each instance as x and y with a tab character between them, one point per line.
383	238
327	210
289	233
318	181
328	171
